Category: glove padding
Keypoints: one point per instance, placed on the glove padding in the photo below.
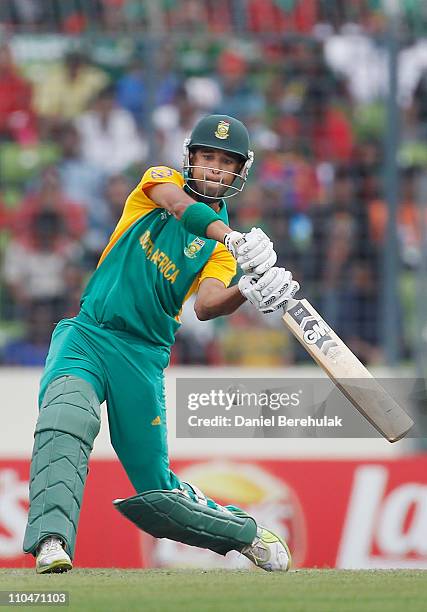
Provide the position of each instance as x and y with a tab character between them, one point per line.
233	241
247	289
253	251
271	291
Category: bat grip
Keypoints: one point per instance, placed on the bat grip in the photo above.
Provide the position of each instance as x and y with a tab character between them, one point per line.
291	303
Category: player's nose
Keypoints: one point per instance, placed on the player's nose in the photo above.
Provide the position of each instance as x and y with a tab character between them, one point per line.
214	174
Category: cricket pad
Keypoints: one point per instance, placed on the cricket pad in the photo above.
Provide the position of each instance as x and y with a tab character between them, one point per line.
171	514
68	423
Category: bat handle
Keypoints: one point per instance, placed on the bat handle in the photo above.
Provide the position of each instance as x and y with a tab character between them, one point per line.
291	303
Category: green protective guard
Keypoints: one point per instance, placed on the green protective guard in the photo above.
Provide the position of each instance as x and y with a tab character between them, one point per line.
68	423
171	514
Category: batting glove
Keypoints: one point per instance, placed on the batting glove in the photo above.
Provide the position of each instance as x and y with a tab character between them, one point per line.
254	250
270	292
247	289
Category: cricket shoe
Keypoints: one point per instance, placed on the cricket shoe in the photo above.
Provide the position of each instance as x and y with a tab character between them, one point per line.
268	551
51	557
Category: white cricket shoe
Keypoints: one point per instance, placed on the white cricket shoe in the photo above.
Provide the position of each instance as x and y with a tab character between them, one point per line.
51	557
268	551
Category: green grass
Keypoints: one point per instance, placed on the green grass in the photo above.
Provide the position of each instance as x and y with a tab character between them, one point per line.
220	591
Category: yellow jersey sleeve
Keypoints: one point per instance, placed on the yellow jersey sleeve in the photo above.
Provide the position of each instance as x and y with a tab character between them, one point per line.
139	204
221	265
160	174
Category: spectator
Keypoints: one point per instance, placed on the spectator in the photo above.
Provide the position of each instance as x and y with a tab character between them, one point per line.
117	189
292	178
17	120
239	97
134	88
116	192
339	235
31	349
173	124
36	265
366	164
359	320
49	197
327	127
83	182
67	89
252	209
409	220
189	16
132	91
109	134
169	77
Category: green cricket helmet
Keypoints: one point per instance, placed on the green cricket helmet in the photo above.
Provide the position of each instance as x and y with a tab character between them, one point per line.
227	134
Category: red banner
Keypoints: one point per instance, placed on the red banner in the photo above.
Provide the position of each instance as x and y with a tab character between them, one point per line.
333	513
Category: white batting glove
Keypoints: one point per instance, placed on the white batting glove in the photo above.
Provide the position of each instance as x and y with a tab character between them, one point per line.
254	250
271	291
247	289
276	287
233	241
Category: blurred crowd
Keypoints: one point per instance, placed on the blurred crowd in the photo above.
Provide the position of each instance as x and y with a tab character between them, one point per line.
215	16
79	127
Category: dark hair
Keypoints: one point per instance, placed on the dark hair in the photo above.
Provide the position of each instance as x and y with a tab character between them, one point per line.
48	222
106	93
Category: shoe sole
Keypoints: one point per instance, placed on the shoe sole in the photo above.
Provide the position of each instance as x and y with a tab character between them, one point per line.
57	567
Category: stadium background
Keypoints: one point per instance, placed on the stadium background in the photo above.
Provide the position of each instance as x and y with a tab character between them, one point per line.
334	94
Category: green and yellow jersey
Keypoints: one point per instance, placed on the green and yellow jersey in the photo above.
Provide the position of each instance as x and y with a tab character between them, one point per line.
151	265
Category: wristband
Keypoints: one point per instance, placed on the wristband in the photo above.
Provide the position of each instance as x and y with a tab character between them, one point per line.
197	217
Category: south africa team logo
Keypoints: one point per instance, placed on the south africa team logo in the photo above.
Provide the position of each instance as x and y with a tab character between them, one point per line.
193	248
222	130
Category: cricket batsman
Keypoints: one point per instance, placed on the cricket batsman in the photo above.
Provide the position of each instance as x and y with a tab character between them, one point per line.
172	239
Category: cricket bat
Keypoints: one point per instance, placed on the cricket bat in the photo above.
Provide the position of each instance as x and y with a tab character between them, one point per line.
339	363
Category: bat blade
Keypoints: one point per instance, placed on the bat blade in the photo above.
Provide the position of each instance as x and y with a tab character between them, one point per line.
345	370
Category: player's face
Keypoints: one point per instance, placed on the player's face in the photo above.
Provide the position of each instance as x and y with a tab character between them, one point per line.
213	171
